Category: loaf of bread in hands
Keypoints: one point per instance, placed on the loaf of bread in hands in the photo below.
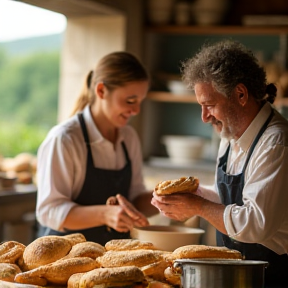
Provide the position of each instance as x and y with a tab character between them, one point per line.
182	185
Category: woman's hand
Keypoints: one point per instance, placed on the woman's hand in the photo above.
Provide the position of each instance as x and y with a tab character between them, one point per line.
138	218
117	218
122	215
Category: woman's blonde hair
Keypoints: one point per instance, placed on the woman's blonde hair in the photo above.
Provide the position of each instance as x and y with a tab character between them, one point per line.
114	70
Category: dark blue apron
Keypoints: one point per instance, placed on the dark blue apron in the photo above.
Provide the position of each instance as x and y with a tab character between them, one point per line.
99	185
230	190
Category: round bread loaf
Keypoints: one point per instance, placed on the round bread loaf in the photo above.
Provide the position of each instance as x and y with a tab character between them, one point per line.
182	185
45	250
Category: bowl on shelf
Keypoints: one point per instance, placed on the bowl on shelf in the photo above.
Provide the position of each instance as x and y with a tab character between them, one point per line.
168	238
184	149
177	87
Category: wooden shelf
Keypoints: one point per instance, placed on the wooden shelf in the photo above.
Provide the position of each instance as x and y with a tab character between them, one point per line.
206	30
169	97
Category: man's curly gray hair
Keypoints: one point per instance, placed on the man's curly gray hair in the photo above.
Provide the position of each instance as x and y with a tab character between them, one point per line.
226	64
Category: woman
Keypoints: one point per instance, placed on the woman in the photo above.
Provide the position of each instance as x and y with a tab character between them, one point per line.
95	155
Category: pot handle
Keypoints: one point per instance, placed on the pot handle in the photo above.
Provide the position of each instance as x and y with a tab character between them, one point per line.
177	267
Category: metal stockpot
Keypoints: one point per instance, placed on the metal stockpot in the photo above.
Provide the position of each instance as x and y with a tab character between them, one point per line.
218	273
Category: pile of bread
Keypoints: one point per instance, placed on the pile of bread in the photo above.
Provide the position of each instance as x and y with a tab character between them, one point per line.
22	167
71	261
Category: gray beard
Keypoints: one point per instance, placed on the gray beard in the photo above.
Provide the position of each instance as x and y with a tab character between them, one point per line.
231	128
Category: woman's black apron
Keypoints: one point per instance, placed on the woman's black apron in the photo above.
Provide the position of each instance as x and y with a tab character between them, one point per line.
230	190
99	185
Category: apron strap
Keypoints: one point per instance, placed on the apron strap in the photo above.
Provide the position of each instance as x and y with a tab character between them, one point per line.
85	133
257	139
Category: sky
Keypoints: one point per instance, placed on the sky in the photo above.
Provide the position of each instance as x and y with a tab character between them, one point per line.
19	20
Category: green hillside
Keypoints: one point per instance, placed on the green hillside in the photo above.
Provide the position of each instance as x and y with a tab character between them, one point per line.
25	46
29	81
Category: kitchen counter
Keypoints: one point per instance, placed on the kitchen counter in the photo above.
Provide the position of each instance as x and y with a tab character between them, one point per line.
14	206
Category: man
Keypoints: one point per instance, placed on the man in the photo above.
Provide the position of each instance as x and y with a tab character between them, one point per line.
249	204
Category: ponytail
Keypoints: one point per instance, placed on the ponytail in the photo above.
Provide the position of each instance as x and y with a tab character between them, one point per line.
271	91
85	95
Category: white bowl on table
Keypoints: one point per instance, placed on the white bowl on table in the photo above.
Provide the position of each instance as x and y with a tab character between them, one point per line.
168	238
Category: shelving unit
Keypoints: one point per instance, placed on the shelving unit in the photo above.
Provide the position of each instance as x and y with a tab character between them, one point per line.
160	108
169	97
206	30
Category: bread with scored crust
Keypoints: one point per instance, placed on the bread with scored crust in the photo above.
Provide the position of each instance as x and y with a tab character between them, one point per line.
182	185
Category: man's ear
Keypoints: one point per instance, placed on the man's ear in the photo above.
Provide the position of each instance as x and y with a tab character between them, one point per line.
100	90
241	93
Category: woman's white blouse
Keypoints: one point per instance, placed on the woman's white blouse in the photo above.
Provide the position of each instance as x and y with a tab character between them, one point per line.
62	159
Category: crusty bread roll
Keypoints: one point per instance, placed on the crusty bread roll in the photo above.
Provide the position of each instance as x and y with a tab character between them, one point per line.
86	249
45	250
128	244
74	280
75	238
171	277
181	185
11	251
139	258
204	251
158	284
8	271
57	272
111	277
155	270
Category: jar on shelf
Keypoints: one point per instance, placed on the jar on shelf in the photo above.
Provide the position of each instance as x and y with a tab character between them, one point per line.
159	12
182	14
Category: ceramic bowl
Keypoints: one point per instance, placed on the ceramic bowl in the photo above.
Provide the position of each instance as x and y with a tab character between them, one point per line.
168	238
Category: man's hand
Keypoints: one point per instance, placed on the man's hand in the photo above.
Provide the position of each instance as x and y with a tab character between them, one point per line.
180	206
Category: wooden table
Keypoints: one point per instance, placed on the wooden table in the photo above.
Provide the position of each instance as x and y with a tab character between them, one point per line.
15	204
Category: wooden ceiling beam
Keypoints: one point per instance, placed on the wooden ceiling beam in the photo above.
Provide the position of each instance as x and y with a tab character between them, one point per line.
75	8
